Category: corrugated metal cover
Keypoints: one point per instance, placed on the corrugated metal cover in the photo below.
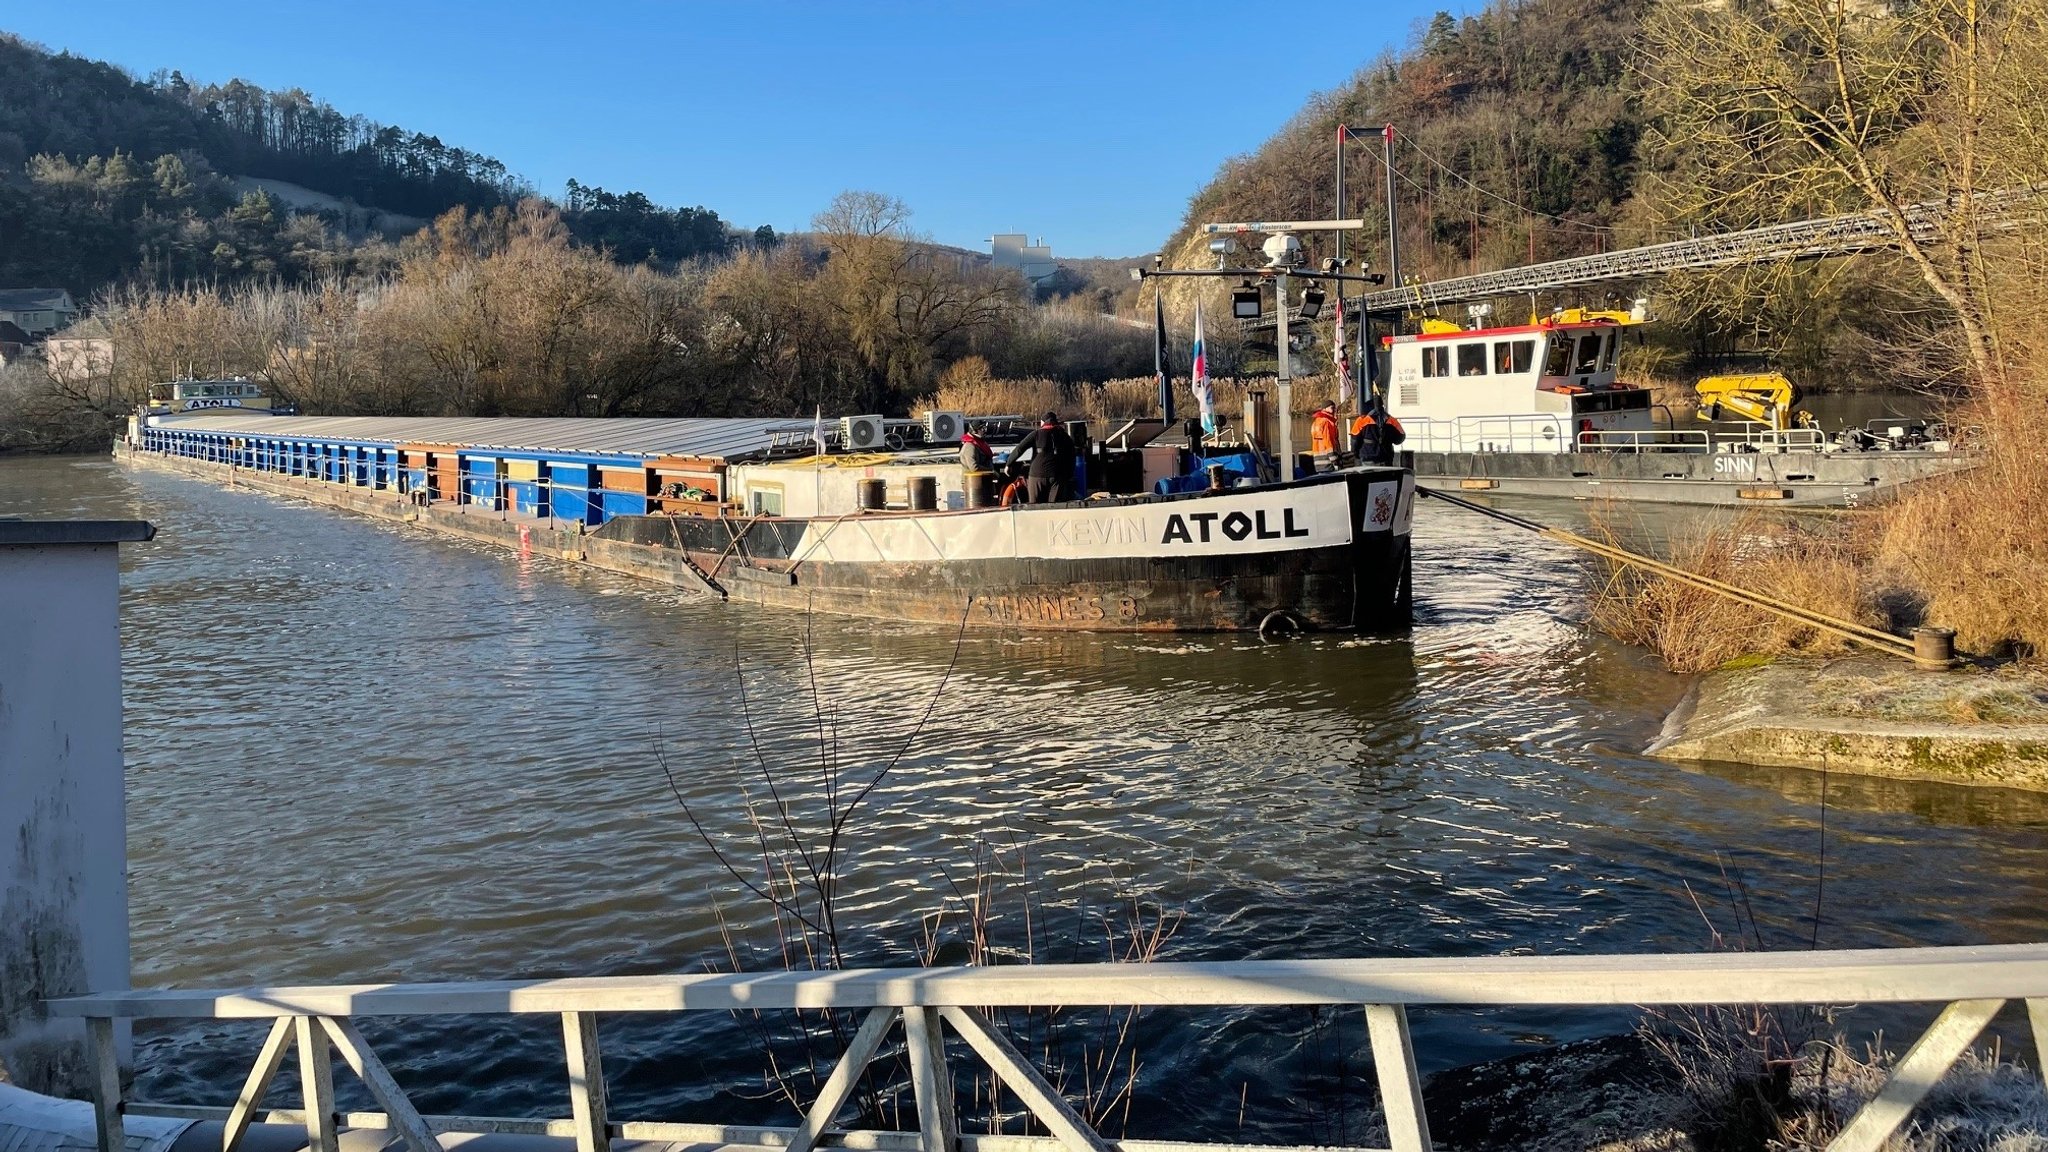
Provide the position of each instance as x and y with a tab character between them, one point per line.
713	438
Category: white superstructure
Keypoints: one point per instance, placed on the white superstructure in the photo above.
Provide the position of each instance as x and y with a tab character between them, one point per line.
1547	387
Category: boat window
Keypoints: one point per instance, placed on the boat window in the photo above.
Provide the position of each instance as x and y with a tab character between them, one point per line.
1513	356
1608	361
1472	359
1436	361
1559	358
767	501
1589	353
1633	399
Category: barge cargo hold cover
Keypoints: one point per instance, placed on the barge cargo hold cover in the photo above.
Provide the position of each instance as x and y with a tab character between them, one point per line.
1323	552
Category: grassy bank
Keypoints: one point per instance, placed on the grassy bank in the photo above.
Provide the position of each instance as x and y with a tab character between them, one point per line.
1963	552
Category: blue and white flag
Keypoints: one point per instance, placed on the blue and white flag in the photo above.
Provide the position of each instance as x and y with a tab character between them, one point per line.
1205	393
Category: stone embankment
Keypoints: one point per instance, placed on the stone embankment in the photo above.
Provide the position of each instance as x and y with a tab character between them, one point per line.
1964	726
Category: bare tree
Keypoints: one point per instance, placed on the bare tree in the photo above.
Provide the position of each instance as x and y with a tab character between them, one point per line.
1764	111
901	300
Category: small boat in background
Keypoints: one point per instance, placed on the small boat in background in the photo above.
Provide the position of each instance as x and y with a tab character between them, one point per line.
1537	410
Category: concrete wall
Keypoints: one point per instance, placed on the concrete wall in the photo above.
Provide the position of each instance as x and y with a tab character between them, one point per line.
63	832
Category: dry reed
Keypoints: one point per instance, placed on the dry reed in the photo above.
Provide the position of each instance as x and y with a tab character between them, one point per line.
1819	567
1967	550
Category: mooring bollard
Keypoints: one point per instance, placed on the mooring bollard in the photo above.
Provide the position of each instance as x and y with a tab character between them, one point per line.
924	493
1216	474
1934	647
872	494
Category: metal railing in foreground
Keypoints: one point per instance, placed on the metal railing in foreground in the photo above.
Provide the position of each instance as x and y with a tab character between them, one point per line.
1973	984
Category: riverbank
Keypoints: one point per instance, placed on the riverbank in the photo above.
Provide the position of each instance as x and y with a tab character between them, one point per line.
1623	1093
1972	726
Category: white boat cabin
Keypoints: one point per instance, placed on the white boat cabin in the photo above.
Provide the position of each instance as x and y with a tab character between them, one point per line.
1545	387
174	396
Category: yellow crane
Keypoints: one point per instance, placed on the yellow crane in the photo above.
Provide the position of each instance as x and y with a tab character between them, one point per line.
1765	397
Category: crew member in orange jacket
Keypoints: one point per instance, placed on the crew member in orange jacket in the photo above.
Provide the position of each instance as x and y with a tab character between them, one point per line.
1322	433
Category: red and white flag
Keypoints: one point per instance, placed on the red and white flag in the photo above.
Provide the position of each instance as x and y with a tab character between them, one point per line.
1342	356
1205	392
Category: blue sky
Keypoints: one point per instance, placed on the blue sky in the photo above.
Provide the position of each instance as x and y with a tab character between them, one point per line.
1087	124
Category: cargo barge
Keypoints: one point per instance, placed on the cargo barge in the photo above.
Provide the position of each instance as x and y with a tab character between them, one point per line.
749	510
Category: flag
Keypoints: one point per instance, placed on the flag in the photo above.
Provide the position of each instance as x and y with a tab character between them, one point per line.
1205	395
1372	361
1159	356
818	430
1342	355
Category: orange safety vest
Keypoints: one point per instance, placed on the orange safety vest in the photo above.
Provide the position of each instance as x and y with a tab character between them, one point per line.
1365	421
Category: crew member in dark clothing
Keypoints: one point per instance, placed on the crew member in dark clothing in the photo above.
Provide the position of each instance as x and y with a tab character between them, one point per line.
1374	435
1051	476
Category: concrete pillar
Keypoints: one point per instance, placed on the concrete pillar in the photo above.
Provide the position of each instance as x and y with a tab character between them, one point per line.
63	830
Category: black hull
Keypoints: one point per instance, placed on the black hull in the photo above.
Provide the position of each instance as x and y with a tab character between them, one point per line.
1360	583
1328	553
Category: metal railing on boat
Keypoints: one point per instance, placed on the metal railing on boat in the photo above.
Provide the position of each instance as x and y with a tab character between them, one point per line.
1517	432
1973	984
1547	433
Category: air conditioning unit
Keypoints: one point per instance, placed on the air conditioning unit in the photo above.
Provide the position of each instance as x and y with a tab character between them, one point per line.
863	433
944	427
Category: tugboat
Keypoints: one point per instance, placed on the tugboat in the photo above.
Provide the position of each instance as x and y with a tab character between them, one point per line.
1537	410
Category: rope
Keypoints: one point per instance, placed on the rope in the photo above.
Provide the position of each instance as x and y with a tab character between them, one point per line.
1846	629
843	460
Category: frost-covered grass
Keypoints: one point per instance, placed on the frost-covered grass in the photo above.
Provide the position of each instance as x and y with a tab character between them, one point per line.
1736	1090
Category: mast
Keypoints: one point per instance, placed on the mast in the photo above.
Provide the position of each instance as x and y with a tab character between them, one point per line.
1342	132
1393	223
1286	389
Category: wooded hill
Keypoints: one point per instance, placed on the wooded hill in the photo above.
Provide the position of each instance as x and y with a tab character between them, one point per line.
103	175
1520	137
1516	138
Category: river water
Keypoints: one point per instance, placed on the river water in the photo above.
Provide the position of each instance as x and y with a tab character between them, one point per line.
360	752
